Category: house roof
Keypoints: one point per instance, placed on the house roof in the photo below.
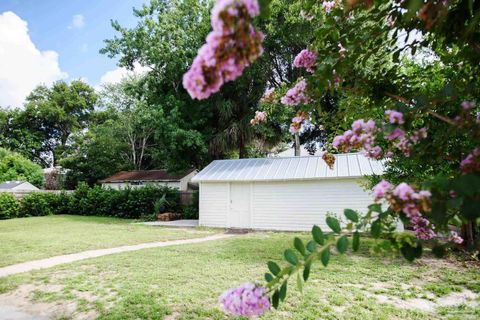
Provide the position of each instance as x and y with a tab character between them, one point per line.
293	168
13	184
145	175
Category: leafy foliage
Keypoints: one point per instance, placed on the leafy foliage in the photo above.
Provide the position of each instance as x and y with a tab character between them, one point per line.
14	167
9	207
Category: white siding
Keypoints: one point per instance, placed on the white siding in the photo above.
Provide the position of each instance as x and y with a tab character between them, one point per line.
124	185
214	202
298	205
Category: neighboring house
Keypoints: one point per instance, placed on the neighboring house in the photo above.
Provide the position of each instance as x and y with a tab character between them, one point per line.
136	179
12	186
282	193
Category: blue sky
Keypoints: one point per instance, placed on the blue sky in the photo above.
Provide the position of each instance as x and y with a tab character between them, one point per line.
74	29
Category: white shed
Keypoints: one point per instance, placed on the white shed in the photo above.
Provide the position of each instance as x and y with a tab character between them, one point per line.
282	193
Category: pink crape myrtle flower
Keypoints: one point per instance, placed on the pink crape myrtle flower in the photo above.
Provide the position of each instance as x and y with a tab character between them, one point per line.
467	105
260	117
232	46
296	95
328	6
405	199
247	300
403	191
395	117
395	134
471	163
455	238
362	136
381	189
305	59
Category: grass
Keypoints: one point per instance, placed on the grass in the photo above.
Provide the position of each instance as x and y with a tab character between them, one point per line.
41	237
184	282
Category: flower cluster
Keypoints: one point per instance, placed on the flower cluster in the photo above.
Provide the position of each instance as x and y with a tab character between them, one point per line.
455	238
395	117
329	159
467	105
305	59
403	142
297	122
247	300
296	95
403	198
472	162
268	96
361	136
328	6
259	118
232	45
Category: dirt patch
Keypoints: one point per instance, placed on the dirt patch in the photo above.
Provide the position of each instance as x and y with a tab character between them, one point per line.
21	300
466	297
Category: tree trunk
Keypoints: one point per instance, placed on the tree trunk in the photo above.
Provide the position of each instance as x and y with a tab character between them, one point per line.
242	151
468	234
297	144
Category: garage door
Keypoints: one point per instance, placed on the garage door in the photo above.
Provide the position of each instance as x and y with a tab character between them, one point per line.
298	205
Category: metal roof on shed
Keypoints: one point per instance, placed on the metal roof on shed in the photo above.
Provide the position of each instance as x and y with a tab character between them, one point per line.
294	168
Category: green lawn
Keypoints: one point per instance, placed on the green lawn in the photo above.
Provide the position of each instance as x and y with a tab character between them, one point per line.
40	237
184	282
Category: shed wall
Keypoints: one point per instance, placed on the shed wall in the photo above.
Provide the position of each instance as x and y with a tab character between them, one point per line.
214	204
287	205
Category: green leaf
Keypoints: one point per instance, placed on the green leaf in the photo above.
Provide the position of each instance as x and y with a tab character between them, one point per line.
411	253
306	271
298	244
356	241
275	299
268	277
439	211
468	184
342	244
291	257
273	267
376	228
311	246
334	224
299	282
325	256
351	215
283	291
470	209
318	235
439	251
375	207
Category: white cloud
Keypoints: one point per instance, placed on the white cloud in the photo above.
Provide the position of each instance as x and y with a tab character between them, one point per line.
78	22
22	65
117	75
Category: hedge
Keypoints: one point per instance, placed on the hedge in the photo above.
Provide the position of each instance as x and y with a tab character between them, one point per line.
96	201
9	206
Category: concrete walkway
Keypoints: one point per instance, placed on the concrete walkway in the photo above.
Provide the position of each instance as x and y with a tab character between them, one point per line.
174	223
55	261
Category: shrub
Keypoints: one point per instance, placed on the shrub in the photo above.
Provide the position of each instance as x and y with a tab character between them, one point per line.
9	206
191	210
38	204
98	201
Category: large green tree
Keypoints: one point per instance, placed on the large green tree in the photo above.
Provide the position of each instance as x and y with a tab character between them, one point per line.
53	114
41	130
